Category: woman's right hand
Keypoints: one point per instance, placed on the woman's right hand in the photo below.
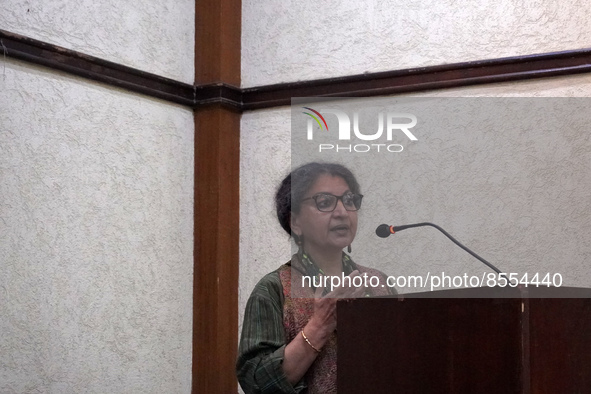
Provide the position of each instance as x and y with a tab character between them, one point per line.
324	319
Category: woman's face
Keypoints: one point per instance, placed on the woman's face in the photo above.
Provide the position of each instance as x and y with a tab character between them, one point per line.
325	231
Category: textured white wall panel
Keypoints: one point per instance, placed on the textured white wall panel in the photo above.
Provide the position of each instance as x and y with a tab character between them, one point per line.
96	232
299	40
153	36
265	159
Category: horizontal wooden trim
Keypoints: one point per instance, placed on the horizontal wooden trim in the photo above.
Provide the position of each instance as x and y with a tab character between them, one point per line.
411	80
90	67
422	79
219	93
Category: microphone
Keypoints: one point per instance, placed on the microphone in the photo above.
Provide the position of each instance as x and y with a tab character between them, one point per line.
385	231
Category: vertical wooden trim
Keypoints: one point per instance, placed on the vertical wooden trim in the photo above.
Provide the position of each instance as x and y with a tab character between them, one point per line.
216	250
217	41
217	164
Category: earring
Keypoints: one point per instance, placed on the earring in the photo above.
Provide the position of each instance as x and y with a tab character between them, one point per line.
349	249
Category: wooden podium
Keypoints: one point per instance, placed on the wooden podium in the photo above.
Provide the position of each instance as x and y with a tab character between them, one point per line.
444	344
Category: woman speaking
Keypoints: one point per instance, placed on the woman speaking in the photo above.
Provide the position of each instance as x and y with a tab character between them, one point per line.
289	338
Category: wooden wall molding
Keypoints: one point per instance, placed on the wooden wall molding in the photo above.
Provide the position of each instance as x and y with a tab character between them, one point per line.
217	196
96	69
223	89
422	79
216	250
218	93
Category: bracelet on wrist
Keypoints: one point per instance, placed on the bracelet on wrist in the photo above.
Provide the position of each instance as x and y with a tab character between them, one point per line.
308	342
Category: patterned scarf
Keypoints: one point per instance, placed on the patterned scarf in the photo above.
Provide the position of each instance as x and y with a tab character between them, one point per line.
313	271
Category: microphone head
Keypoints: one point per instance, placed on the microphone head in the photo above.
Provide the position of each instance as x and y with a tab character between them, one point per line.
383	231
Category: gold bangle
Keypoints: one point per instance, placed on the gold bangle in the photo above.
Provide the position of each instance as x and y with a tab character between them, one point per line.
308	342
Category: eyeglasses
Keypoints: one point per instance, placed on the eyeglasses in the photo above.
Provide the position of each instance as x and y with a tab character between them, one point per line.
326	202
